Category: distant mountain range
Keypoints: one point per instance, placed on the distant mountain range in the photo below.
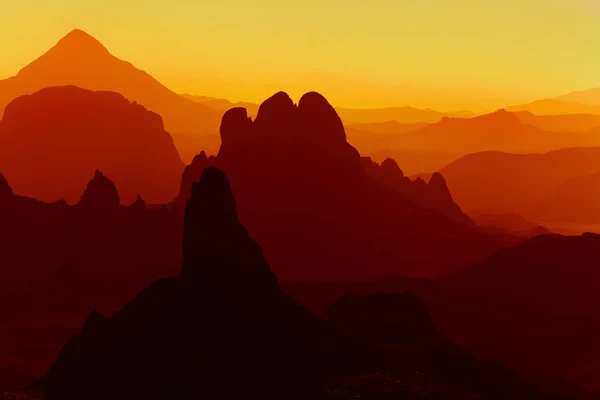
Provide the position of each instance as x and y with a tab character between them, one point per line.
556	107
60	261
577	102
574	123
79	59
225	325
193	121
588	96
500	183
53	140
223	105
499	131
423	147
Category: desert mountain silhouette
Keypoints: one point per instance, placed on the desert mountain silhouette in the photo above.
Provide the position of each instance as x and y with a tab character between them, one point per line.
386	128
53	140
498	131
79	59
431	195
60	261
404	115
581	123
224	325
530	307
575	201
588	96
501	183
223	105
303	190
557	106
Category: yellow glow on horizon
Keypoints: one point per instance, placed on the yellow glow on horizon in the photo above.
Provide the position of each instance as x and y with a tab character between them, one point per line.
436	53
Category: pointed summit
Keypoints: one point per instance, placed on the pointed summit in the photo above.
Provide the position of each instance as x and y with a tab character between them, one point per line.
500	116
76	50
215	243
223	325
138	205
101	194
79	59
80	40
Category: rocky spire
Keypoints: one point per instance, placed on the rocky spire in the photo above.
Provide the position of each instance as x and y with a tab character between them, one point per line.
101	193
139	204
215	243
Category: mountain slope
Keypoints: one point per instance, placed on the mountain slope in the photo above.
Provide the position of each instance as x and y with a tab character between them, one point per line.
387	127
403	115
575	201
303	191
79	59
575	123
532	307
556	107
224	328
53	140
589	96
431	195
500	183
499	131
58	262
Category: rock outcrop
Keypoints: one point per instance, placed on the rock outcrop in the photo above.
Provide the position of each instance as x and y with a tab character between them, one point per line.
222	328
305	195
431	195
61	260
81	60
52	140
100	194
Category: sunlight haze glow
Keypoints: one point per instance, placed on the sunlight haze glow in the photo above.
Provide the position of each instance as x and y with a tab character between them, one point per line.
364	53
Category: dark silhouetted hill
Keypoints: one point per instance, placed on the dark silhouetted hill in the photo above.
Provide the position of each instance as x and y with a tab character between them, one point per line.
79	59
399	327
304	194
58	262
434	194
531	307
501	183
53	140
101	194
224	326
387	318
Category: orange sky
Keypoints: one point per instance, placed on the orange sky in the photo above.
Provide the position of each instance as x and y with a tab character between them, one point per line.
360	53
